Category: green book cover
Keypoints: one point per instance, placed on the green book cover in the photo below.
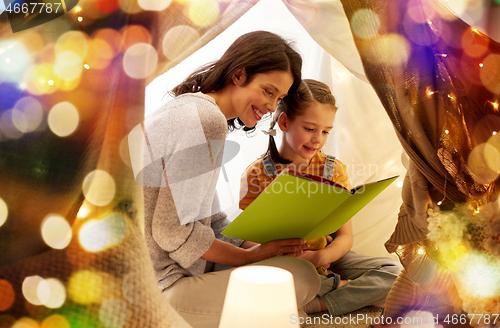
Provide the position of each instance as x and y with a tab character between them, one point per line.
301	206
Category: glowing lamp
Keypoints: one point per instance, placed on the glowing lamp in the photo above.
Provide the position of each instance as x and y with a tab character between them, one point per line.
259	296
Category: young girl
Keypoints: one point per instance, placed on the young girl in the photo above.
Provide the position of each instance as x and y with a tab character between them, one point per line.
186	136
357	280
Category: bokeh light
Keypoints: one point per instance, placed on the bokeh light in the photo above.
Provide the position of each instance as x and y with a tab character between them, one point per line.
489	75
154	5
7	295
27	114
31	287
130	6
114	313
100	54
99	187
133	34
111	37
55	321
365	23
4	211
85	287
57	295
124	152
480	276
392	50
56	231
73	41
26	323
492	152
140	61
178	39
473	44
37	79
203	13
457	6
14	58
32	41
63	119
68	66
99	235
7	126
420	12
106	6
476	163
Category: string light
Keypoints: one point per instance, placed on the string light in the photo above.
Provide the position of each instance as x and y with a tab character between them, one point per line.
481	64
80	19
78	9
494	133
446	131
50	82
421	251
494	104
86	66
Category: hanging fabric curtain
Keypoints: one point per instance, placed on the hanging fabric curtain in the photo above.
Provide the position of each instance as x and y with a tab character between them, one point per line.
71	89
439	82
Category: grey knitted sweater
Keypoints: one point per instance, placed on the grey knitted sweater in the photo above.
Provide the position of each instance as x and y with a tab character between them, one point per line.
182	214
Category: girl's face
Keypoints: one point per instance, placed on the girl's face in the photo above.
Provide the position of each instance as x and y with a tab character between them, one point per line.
307	133
252	101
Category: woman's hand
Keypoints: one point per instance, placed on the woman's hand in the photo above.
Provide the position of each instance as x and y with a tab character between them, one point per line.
283	247
317	258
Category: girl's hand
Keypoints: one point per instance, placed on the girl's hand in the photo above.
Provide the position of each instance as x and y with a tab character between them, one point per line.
315	257
283	247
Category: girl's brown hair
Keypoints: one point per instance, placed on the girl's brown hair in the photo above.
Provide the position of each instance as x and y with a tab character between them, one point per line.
256	52
308	92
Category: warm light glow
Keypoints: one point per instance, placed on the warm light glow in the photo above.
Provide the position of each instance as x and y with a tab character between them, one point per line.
478	163
489	76
85	286
4	211
480	276
446	131
80	19
37	79
55	321
72	41
430	93
7	295
391	49
57	294
63	119
444	55
100	54
51	82
99	187
494	133
359	23
154	5
68	66
99	235
108	313
400	247
134	34
492	153
82	213
439	203
203	13
78	9
495	105
421	251
56	231
259	296
31	287
400	184
86	66
26	322
481	64
140	61
178	39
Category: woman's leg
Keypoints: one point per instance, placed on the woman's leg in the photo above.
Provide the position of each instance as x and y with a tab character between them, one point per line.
372	279
199	299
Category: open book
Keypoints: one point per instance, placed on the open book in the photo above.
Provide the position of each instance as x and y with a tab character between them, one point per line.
297	205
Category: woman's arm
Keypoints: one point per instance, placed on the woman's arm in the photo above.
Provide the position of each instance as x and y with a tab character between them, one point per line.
228	254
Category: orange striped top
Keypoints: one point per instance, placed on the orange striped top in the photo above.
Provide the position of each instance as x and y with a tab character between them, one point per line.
254	180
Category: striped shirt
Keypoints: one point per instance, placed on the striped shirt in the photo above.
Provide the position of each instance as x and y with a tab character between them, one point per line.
255	179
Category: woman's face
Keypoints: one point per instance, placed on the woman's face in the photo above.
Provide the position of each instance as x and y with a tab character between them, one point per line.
252	101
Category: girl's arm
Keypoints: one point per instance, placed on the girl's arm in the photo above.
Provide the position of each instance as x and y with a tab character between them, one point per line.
228	254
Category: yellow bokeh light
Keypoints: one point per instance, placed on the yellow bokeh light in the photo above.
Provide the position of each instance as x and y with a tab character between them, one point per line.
4	212
99	55
56	231
478	166
37	77
112	37
82	213
57	295
473	45
27	114
392	50
203	13
489	76
480	275
492	152
55	321
7	295
365	23
33	41
26	323
31	287
140	61
69	85
108	313
68	66
85	286
178	39
63	119
72	41
99	187
154	5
